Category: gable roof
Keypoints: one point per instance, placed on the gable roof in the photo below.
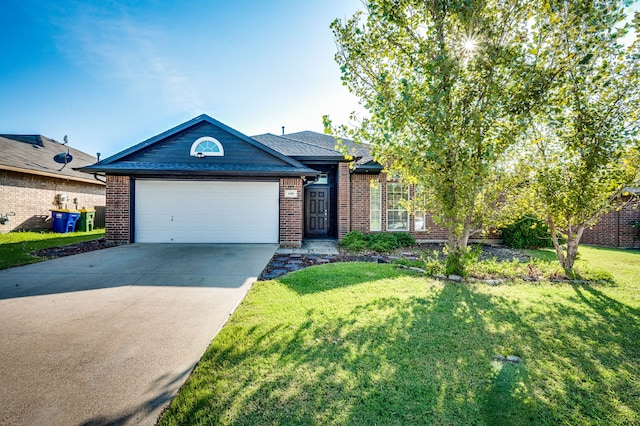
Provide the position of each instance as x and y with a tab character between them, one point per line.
34	154
363	151
298	149
309	145
126	162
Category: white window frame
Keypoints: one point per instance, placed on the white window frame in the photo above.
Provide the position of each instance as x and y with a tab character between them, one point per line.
419	214
397	208
212	141
375	216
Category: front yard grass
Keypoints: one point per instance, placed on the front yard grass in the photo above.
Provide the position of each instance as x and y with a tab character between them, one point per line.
358	343
15	247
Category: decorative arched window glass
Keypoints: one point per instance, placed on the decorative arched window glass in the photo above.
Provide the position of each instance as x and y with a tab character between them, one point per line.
207	147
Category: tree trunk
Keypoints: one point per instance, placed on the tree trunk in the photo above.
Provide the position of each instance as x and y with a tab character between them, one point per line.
457	249
567	259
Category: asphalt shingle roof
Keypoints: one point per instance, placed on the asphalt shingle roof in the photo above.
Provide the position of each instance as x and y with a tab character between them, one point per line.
34	154
295	148
355	149
309	144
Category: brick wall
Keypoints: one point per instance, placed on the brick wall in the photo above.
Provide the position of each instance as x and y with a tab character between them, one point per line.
31	197
344	199
615	229
360	218
118	208
360	202
291	225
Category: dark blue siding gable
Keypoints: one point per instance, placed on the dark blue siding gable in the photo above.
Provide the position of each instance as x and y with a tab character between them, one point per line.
169	153
176	149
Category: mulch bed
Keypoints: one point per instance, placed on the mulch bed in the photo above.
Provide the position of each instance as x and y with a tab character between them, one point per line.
280	264
77	248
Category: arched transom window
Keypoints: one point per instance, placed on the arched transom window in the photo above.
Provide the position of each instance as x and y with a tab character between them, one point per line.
207	147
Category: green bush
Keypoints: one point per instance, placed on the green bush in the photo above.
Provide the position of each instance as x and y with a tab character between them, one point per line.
382	242
353	238
458	263
404	239
527	233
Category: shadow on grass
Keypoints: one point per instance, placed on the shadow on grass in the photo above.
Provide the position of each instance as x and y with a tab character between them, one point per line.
425	359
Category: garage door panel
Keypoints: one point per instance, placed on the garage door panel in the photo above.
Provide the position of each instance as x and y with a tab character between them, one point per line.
209	212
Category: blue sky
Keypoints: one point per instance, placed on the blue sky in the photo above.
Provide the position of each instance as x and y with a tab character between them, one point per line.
112	73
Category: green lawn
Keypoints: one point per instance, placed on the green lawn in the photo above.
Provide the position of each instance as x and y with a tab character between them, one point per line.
15	247
372	344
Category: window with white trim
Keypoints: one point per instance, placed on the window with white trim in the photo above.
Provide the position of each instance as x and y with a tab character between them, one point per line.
419	217
375	207
207	146
397	214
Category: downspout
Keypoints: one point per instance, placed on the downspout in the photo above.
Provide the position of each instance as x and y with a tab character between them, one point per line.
95	176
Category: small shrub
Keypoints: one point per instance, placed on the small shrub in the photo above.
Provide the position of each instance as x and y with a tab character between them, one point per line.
354	241
382	242
432	263
458	263
527	233
404	239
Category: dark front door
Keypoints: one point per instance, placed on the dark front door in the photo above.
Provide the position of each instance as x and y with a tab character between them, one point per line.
317	211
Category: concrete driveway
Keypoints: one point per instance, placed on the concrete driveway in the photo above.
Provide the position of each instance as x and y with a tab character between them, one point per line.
108	337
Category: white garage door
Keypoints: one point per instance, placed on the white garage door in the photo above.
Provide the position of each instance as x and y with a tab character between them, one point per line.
206	212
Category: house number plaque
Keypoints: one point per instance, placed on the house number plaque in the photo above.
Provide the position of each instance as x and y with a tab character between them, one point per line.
290	193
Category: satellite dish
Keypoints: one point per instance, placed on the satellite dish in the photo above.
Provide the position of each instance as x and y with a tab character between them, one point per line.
63	158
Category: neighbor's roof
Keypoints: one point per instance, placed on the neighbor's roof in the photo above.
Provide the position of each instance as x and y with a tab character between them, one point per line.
34	154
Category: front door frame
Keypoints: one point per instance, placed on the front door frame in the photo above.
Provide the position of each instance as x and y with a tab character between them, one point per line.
308	214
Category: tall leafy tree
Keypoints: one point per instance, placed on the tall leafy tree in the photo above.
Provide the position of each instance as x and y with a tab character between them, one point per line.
445	84
585	148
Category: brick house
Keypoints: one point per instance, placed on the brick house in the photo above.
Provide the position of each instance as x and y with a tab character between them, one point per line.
203	181
618	228
36	175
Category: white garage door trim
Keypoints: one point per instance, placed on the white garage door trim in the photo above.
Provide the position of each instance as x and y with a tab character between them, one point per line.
175	211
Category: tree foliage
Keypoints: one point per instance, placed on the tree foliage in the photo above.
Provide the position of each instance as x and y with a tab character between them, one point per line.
445	84
458	91
583	150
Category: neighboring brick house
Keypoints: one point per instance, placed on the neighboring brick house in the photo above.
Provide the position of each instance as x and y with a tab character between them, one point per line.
32	182
618	228
205	182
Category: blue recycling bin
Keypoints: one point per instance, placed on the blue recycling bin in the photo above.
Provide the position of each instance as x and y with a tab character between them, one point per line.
64	220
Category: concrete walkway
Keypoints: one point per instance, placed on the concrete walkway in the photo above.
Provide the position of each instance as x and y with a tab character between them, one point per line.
323	247
110	336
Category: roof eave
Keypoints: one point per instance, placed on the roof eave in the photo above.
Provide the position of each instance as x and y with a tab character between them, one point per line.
51	175
201	173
